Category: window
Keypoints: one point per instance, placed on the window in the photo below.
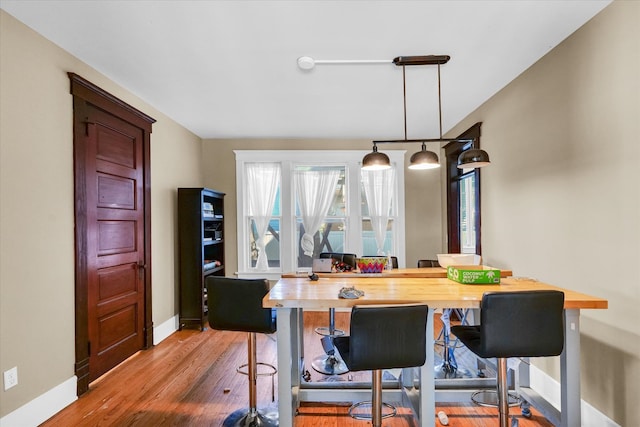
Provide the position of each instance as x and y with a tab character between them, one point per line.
463	198
308	182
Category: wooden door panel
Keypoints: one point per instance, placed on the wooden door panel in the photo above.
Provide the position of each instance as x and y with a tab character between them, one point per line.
116	237
116	282
116	147
117	334
116	192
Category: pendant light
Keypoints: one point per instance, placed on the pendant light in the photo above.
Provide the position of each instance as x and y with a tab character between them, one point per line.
376	160
424	159
473	158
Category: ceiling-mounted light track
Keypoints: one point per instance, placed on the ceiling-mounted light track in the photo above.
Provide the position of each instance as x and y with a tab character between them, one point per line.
308	63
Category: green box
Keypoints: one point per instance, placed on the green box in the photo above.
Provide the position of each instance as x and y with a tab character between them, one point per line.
473	274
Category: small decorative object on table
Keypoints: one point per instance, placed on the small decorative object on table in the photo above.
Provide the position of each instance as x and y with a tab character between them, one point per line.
350	293
372	264
341	267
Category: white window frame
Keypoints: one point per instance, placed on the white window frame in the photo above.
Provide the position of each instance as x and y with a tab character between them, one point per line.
288	159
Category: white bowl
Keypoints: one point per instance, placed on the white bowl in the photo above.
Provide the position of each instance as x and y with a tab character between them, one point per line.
445	260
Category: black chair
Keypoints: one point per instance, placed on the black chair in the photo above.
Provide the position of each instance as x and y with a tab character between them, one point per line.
331	363
236	305
383	337
425	263
515	324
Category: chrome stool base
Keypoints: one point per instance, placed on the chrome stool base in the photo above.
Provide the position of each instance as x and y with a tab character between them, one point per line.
247	418
448	371
357	416
329	364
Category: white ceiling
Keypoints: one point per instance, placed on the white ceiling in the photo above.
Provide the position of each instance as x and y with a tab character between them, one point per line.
228	69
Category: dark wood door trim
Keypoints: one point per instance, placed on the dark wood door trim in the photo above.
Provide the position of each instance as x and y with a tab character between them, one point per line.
84	94
453	150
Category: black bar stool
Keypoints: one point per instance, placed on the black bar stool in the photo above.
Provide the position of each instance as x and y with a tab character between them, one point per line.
236	305
383	337
515	324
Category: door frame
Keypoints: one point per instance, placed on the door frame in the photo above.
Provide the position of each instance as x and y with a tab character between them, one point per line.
86	93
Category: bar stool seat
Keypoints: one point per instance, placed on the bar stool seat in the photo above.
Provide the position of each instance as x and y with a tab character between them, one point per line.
383	337
236	305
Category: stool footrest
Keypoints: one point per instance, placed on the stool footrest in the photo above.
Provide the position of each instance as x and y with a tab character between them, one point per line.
271	369
368	416
326	331
271	372
490	398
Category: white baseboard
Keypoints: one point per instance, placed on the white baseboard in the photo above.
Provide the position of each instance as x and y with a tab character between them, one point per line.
165	329
549	388
42	407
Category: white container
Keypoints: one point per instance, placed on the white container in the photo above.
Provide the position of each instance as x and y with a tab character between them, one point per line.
445	260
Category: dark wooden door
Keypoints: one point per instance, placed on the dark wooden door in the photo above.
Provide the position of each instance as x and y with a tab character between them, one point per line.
115	240
113	292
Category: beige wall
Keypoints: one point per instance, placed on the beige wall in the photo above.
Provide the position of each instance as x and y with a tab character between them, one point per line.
422	197
561	200
36	208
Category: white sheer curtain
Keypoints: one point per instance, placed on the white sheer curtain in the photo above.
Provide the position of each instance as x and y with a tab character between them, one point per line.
378	190
315	191
263	180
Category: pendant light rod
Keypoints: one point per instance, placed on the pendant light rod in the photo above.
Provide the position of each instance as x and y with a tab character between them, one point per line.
404	98
439	102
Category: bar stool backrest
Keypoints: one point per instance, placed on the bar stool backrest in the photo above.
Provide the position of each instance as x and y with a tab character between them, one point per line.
236	305
387	337
521	324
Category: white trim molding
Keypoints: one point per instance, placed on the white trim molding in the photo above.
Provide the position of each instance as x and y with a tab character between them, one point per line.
43	407
549	389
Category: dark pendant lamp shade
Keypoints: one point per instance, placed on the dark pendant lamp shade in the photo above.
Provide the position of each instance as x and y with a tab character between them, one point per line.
376	160
424	159
474	158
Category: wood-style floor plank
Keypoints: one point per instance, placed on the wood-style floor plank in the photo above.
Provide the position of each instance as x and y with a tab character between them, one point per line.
190	379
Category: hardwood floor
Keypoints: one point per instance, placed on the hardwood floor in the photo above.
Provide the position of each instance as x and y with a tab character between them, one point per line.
190	379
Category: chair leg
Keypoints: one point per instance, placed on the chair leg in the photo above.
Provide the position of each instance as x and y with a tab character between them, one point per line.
252	417
503	392
253	371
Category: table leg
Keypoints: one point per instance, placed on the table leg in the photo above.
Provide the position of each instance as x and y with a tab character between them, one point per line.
288	368
427	409
570	370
